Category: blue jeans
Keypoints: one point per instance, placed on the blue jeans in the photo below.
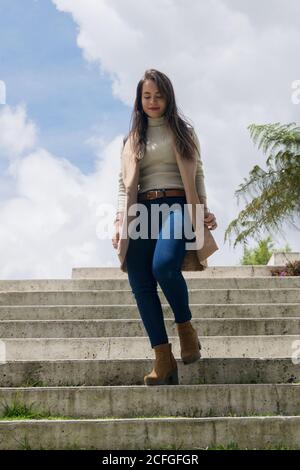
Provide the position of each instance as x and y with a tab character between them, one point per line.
151	260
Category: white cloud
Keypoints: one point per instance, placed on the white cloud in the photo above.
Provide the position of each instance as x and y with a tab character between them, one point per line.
50	218
18	134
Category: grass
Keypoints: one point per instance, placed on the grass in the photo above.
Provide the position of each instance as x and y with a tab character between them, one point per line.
17	410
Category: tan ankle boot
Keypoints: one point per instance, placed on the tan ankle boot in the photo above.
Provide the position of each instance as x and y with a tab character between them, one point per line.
165	370
189	342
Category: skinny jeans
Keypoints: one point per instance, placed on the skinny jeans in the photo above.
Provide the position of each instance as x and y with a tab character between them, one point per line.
157	260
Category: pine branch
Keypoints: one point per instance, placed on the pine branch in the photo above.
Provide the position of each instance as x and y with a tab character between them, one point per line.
276	190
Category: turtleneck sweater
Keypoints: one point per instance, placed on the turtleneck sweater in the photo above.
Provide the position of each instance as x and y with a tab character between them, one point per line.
158	167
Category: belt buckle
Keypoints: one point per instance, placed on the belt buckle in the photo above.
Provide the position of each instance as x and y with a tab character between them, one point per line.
155	195
152	194
161	190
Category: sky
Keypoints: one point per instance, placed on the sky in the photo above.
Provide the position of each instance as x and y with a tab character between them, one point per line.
70	70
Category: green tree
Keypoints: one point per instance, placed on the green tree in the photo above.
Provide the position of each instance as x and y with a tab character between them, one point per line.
262	252
276	197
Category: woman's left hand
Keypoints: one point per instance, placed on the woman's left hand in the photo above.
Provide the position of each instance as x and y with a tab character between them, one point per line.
210	221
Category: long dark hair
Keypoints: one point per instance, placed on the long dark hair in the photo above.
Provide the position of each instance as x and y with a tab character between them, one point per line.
179	126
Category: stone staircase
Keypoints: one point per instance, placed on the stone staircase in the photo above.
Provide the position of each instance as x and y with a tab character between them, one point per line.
73	354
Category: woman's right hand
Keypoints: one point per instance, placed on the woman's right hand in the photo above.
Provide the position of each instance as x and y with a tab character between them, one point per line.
210	220
116	235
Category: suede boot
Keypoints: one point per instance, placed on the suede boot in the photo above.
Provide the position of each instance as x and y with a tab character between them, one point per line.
165	370
189	342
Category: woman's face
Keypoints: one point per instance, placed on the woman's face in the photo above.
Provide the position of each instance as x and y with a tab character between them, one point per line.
153	103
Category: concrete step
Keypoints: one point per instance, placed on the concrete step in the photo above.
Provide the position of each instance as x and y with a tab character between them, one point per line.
29	349
135	327
119	297
194	401
77	312
132	371
253	432
266	282
211	271
77	348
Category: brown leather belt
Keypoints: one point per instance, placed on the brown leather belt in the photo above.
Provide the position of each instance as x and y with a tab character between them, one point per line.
156	193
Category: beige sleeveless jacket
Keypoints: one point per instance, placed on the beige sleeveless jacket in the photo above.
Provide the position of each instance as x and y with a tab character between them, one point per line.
205	245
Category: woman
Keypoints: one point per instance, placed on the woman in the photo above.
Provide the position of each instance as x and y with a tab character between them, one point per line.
154	258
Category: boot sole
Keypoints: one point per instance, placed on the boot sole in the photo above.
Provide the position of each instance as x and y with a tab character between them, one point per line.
172	379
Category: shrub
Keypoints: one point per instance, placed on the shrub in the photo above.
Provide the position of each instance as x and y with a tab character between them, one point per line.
292	268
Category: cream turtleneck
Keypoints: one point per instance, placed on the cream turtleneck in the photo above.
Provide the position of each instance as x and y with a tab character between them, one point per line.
158	121
158	167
